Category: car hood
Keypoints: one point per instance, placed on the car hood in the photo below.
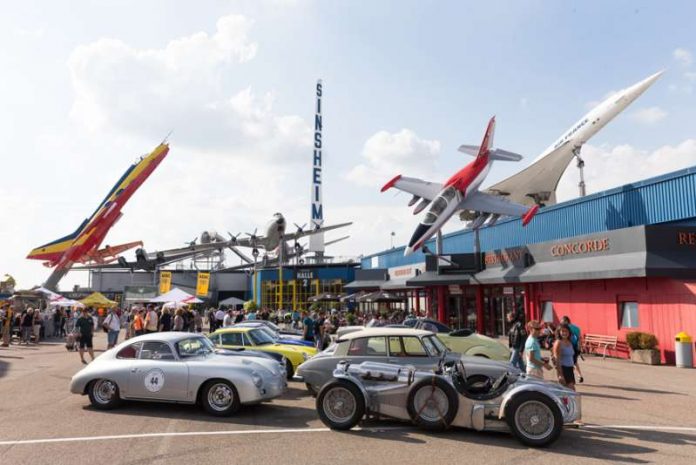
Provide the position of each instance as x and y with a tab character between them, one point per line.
481	362
241	361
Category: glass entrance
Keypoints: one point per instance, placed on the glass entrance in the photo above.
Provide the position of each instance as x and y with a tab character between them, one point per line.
498	302
461	307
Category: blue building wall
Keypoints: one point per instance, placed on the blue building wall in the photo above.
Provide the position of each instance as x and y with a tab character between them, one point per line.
667	198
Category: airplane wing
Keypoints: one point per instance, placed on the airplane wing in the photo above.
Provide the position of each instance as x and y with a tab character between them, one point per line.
537	183
424	189
488	203
310	232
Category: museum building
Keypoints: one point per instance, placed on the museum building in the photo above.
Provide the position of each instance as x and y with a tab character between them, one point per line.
616	261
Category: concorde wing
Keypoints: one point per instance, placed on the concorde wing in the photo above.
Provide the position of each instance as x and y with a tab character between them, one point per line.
487	203
417	187
537	183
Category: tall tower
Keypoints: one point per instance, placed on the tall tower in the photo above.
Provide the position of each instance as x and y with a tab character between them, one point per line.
316	241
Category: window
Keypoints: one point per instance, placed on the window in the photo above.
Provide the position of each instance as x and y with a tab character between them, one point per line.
395	347
130	351
629	314
259	338
547	311
194	346
371	346
214	338
231	339
413	347
156	351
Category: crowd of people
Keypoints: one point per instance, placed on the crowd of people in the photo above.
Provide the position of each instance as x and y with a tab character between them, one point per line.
526	341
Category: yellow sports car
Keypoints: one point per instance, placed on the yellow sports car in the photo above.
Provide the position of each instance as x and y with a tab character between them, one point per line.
259	340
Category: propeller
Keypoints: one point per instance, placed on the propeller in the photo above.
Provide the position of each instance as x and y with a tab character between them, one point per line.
253	237
233	238
192	243
300	229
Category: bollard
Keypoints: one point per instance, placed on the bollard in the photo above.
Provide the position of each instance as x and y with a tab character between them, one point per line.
682	350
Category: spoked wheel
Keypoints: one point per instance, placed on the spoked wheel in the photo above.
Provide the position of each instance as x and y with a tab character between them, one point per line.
432	404
340	404
534	418
104	394
220	398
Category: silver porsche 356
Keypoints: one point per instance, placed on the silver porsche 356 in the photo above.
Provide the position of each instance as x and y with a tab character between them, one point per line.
533	410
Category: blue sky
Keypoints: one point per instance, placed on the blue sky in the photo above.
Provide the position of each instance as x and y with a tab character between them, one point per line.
87	86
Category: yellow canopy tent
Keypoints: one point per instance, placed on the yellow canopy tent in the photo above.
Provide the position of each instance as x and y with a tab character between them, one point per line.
97	299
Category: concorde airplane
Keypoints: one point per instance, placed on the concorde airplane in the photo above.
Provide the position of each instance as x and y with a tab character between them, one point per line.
537	183
82	246
460	192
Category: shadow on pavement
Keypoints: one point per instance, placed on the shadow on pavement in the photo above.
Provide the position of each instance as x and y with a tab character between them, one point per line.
606	396
634	389
263	415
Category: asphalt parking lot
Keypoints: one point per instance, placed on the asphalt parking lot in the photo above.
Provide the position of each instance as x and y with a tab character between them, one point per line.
632	414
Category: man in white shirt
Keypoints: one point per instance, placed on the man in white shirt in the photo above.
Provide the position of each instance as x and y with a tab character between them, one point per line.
112	323
219	317
229	319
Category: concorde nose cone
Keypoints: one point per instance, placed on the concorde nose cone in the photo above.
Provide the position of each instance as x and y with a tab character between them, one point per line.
637	89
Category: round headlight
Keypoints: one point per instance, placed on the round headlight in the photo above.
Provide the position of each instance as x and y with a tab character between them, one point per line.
256	378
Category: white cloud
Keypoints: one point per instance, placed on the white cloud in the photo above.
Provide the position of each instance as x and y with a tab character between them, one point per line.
683	56
388	154
183	87
29	33
608	167
649	115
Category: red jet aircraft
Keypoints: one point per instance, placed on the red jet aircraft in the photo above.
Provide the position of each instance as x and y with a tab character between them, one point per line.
460	192
83	245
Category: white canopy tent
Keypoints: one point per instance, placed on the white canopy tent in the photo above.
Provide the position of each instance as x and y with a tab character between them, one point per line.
56	300
231	301
176	295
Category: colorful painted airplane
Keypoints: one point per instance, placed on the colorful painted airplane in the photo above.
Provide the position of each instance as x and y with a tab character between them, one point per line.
460	192
82	246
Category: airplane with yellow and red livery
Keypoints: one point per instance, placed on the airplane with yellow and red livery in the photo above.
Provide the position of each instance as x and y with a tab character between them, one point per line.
82	246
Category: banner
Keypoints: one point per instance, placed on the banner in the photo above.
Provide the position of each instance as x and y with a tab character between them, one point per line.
165	283
202	284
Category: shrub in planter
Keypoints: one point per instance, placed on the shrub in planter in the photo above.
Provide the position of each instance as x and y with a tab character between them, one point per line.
643	347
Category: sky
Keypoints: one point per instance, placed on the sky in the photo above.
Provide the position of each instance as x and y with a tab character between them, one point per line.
89	86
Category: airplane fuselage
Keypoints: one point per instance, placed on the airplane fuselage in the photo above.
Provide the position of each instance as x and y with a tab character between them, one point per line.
587	126
448	201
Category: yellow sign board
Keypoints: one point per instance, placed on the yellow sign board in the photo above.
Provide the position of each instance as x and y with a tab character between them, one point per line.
202	283
165	283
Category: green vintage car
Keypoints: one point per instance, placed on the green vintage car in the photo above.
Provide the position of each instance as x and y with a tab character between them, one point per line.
465	341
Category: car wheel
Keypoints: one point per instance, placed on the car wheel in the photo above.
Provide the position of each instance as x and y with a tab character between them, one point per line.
432	404
220	398
311	390
534	418
288	369
340	404
104	394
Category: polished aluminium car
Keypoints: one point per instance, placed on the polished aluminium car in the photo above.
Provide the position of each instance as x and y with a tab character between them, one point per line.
182	368
403	346
532	409
258	339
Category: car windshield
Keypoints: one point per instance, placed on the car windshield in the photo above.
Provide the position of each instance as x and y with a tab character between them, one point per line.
194	346
436	343
269	332
259	337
